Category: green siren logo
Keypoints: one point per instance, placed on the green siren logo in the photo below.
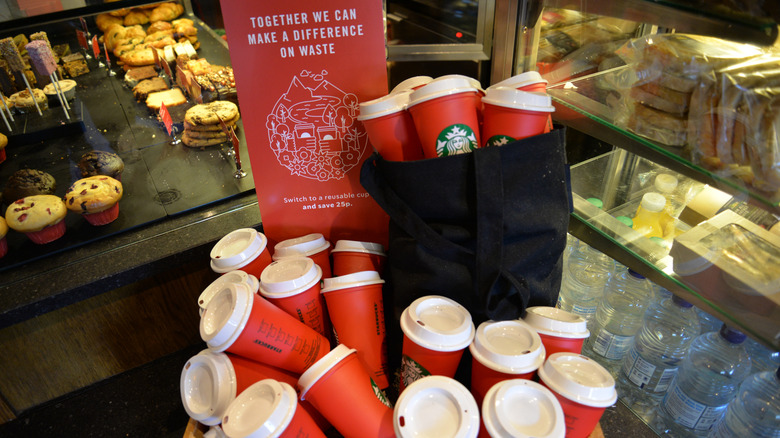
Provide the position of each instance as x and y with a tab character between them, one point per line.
380	394
499	140
456	139
411	371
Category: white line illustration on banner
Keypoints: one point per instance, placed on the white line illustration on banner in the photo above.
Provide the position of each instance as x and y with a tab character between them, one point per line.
313	128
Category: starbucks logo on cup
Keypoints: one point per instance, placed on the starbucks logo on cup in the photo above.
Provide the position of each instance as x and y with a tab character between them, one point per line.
412	371
456	139
499	140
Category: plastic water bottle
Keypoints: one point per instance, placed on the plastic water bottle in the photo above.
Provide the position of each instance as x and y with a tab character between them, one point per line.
755	412
618	318
668	329
583	280
708	379
762	358
708	322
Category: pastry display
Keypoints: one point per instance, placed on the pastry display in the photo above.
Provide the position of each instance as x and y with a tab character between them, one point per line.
202	125
148	86
28	182
24	102
95	163
96	198
171	98
39	217
3	240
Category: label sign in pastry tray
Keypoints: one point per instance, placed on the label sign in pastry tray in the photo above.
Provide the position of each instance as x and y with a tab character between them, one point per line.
302	68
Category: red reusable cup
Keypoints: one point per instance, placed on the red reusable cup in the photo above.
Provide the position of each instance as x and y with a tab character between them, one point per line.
350	256
243	249
312	245
390	127
560	331
293	285
511	114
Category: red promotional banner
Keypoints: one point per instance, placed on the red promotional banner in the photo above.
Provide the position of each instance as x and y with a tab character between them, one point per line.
302	67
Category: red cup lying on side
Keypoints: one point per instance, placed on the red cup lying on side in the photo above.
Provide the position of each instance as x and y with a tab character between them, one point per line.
560	331
339	387
269	408
293	285
242	322
312	245
244	249
582	386
350	256
436	406
511	114
229	277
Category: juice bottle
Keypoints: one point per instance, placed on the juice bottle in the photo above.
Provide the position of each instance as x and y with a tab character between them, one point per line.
666	185
648	217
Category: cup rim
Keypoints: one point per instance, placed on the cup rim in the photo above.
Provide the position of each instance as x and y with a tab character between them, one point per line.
320	368
482	350
219	369
241	301
254	242
431	388
519	100
599	392
543	320
309	274
358	246
272	420
355	279
307	245
440	88
502	390
434	338
386	105
521	80
410	84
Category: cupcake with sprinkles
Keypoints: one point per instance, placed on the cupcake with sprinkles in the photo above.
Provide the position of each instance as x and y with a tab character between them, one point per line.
39	217
96	198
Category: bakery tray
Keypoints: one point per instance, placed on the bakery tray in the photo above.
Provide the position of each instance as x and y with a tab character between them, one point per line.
51	123
162	177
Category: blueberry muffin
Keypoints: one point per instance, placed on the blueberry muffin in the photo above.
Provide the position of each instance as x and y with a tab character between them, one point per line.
28	182
101	163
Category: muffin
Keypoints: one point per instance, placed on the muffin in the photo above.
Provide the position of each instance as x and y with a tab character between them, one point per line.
39	217
3	144
96	198
24	103
101	163
3	240
68	87
28	182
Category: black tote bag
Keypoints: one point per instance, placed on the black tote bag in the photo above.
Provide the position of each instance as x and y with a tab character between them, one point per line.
486	229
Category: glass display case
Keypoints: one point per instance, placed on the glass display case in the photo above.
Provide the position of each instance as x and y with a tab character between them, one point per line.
602	60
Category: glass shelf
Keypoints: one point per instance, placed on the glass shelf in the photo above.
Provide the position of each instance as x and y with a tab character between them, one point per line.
619	179
583	103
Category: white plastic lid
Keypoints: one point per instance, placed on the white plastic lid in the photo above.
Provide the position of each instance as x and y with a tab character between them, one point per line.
579	378
226	316
552	321
356	279
321	367
436	407
240	277
518	99
652	201
288	277
411	83
214	431
438	323
439	88
207	386
237	248
511	347
389	104
522	80
263	410
665	183
542	414
307	245
356	246
473	82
